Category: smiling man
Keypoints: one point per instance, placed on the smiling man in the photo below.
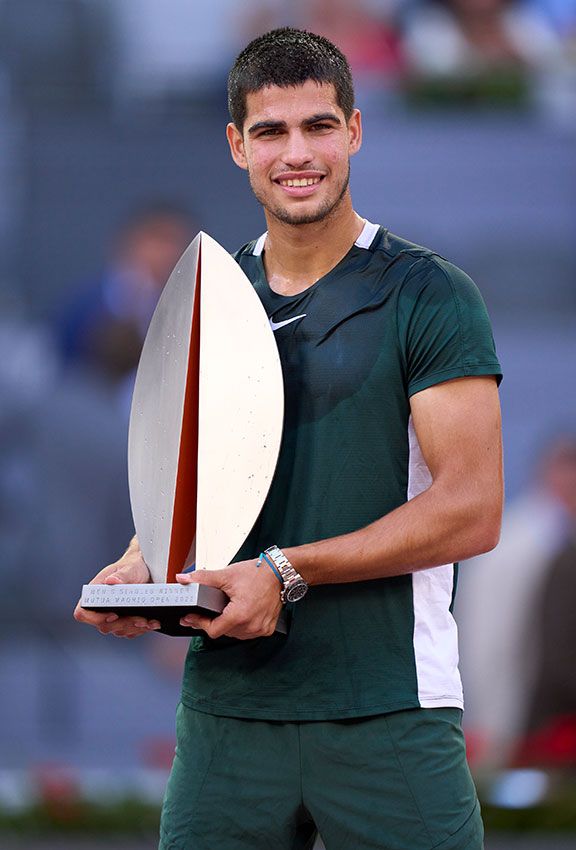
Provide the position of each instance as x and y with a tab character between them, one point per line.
389	473
298	163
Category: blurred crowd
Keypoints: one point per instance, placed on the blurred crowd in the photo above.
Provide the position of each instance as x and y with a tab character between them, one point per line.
66	386
515	611
103	325
470	50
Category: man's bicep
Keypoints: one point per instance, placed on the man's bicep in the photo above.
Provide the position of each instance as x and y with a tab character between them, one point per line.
458	427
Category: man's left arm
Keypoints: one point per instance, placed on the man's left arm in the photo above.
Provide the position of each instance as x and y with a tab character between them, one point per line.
458	427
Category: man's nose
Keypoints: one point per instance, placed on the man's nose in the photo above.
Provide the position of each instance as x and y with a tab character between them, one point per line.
297	149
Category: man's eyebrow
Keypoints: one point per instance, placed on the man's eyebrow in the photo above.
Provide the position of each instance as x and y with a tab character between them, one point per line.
321	116
266	125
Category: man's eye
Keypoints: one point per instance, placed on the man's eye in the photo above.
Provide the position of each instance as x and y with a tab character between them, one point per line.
272	131
317	127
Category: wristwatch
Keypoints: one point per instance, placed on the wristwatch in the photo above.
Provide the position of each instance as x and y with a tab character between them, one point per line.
294	587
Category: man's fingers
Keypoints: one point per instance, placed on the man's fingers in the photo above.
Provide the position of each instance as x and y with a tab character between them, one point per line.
129	627
115	578
214	628
196	621
231	622
227	623
247	614
125	575
212	578
91	618
130	569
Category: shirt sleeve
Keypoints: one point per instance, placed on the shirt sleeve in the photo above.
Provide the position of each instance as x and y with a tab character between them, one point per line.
443	326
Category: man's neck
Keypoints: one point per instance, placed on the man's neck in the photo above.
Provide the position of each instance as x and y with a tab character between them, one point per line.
296	256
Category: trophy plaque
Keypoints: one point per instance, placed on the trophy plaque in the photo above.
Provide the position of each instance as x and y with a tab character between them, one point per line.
204	437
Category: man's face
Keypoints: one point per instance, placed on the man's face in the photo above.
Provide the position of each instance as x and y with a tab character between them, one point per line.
296	146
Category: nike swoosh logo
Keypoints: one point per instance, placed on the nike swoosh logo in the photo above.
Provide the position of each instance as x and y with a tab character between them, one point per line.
276	325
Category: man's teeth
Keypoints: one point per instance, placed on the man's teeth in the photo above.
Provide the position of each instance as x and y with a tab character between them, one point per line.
305	181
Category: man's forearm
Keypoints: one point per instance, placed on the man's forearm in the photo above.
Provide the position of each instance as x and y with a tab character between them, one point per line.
437	527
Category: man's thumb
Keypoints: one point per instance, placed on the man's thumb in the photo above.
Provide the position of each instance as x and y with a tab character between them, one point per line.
115	578
213	578
123	574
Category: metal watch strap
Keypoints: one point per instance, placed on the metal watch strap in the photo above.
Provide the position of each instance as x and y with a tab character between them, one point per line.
292	580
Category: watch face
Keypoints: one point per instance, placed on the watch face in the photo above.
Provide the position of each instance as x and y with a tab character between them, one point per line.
296	591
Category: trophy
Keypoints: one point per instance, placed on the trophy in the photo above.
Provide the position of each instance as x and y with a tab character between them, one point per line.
204	437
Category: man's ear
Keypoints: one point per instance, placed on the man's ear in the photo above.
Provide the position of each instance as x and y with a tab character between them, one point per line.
236	142
355	132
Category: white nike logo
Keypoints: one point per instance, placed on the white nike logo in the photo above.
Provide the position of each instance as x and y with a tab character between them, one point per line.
276	325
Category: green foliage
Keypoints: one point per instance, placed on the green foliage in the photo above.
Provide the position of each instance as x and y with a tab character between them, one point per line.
128	816
557	816
503	89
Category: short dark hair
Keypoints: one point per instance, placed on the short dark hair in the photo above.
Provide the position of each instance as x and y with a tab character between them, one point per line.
288	57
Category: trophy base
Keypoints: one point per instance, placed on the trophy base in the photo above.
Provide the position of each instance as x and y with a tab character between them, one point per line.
167	603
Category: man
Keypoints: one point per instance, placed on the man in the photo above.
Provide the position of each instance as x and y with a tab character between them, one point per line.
389	472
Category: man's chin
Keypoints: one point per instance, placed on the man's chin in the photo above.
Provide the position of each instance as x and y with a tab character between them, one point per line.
305	216
298	219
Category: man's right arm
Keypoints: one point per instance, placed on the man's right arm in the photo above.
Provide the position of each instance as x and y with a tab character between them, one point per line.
129	569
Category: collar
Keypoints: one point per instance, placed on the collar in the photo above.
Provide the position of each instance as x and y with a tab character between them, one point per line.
364	240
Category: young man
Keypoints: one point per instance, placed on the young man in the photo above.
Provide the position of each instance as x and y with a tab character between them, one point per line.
389	473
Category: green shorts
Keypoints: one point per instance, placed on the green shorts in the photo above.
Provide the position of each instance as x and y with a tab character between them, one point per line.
392	782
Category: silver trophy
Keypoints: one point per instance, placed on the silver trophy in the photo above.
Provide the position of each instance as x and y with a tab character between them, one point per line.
205	430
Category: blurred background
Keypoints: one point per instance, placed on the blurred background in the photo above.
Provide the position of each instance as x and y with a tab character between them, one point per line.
112	157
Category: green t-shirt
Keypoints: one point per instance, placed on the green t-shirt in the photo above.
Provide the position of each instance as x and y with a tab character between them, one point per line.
389	320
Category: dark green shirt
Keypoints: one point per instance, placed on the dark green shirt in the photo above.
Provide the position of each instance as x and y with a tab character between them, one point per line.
389	320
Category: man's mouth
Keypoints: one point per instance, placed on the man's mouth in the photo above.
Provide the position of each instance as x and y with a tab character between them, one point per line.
298	181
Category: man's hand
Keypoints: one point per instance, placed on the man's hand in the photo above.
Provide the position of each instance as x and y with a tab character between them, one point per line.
129	569
254	606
